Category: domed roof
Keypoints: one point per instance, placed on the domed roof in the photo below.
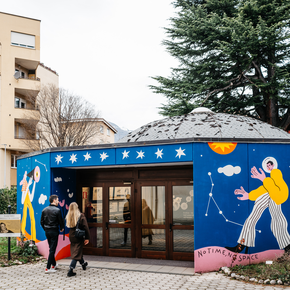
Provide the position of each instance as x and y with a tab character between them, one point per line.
203	123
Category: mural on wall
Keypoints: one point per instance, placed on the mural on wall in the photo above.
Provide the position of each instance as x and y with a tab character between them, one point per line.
245	231
34	189
271	194
27	198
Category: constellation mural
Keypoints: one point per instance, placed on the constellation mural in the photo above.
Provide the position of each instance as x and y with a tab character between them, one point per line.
211	198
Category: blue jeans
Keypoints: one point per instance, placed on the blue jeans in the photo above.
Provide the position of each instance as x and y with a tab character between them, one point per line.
52	239
74	263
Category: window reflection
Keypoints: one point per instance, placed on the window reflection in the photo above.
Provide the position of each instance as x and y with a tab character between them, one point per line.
120	205
92	203
153	197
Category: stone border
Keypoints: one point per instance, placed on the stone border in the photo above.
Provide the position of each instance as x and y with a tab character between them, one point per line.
228	272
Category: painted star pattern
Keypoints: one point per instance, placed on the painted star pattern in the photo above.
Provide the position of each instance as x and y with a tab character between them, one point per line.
180	152
103	156
58	159
87	156
73	158
140	154
125	154
159	153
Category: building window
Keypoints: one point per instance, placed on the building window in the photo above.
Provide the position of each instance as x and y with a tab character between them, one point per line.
14	161
108	131
101	129
20	103
22	40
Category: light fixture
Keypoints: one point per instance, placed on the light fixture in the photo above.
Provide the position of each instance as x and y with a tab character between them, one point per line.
127	182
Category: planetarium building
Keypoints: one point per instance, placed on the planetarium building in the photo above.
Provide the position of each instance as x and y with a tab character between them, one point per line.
205	187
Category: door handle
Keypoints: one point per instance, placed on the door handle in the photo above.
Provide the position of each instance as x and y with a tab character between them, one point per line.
107	225
170	227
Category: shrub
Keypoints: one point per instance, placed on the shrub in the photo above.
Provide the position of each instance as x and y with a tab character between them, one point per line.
8	197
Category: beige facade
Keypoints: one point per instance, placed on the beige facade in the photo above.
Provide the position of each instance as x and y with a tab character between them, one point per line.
21	77
106	133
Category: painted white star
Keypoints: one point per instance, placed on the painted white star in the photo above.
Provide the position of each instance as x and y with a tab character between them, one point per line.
140	154
58	159
159	153
180	152
87	156
125	154
73	158
103	156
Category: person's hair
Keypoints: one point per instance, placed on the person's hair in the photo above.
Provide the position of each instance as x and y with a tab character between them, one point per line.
4	225
52	198
271	162
72	215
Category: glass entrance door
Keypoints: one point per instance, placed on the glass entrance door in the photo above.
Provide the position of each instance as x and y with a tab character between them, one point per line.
181	227
145	220
120	220
165	221
92	207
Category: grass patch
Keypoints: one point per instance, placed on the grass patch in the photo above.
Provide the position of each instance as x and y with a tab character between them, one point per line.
279	270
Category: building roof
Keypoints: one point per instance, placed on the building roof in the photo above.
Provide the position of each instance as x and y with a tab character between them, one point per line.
202	123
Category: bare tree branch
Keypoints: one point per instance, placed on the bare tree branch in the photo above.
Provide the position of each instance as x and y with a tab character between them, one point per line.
65	120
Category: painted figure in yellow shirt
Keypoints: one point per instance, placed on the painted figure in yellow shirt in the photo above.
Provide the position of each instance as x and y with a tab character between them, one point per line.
271	194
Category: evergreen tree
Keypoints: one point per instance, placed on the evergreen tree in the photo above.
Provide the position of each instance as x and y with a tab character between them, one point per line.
234	58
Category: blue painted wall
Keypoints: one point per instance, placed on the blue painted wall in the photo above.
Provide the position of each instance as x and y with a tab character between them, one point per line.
219	215
42	189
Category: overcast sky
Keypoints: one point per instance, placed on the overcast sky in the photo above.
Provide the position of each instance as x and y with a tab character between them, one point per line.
105	51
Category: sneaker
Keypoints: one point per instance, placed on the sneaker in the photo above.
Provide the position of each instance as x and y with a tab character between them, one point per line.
84	265
48	271
54	267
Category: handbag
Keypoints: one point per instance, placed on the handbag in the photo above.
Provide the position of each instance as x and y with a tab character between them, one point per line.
80	234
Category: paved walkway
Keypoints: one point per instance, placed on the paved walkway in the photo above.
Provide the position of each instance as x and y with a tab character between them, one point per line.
110	276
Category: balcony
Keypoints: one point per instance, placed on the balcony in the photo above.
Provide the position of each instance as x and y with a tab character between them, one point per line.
25	74
25	129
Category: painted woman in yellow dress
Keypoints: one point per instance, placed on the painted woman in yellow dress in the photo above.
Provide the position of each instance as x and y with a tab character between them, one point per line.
27	198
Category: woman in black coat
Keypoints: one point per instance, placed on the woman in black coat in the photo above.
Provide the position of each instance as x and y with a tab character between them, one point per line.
76	246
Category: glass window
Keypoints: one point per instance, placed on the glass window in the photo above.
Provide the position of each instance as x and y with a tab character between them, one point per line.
101	129
20	103
92	204
13	161
17	102
153	239
153	205
183	205
120	205
120	238
108	131
183	241
23	40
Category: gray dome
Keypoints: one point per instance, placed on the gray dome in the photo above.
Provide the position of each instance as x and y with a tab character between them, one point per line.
201	123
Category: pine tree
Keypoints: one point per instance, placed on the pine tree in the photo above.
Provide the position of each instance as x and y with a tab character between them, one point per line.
233	57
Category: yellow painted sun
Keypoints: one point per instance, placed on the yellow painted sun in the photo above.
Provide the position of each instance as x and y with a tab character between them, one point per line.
222	147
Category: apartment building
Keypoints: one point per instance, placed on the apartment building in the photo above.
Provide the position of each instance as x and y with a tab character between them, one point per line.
21	77
106	133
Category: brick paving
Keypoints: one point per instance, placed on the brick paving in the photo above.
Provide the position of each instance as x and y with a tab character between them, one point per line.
97	277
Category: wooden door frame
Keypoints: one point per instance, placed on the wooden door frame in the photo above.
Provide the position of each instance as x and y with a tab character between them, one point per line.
184	256
180	175
130	253
145	253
